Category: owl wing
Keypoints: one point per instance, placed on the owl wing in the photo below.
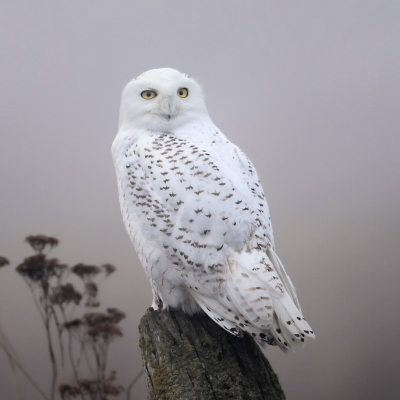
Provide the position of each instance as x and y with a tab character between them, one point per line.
253	182
186	196
288	325
246	169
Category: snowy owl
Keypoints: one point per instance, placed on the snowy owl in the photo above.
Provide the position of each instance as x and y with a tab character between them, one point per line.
196	214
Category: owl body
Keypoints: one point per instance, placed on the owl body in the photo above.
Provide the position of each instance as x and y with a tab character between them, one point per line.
197	216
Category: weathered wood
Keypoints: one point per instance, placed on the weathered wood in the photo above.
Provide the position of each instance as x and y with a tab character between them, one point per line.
192	358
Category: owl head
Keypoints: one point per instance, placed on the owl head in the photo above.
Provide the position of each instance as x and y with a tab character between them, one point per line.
161	100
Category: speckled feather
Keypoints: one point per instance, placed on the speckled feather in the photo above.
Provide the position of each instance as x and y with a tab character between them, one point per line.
197	216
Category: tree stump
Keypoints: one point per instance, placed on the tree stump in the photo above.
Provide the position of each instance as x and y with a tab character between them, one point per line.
192	358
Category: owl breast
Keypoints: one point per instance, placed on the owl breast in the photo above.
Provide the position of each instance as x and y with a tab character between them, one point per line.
188	202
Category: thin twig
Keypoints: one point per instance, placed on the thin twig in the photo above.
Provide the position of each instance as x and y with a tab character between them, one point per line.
132	384
35	300
15	376
70	352
88	361
9	351
59	331
52	359
99	369
13	358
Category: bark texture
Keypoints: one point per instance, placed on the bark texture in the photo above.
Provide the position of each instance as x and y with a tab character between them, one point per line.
192	358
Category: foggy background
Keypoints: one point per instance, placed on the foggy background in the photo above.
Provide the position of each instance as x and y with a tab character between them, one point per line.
309	90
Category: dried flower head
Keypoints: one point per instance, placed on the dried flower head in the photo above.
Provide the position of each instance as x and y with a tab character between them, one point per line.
74	324
54	268
68	391
95	319
92	290
109	268
39	242
85	272
38	268
33	268
89	386
3	261
66	294
116	315
112	389
113	375
106	331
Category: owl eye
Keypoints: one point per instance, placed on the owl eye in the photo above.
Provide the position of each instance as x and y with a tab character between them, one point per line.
148	94
183	92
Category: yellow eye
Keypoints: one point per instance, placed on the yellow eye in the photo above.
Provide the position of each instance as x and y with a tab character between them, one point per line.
148	94
183	92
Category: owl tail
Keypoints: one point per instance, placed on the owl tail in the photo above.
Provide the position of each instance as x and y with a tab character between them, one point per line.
263	293
231	319
259	298
287	307
290	324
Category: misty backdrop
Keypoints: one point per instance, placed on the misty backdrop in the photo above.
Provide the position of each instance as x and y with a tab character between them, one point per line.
309	90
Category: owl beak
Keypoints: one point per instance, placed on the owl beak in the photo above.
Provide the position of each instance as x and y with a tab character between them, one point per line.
168	108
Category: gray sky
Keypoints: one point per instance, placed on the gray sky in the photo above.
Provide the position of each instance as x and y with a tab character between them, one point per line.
309	90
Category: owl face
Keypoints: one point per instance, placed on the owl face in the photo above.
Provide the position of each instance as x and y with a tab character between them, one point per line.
161	100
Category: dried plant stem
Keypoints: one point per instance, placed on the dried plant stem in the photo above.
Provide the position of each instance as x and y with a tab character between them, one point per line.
36	301
13	359
5	345
15	376
70	349
42	306
104	352
88	361
7	348
99	373
27	376
52	359
60	332
72	362
132	384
